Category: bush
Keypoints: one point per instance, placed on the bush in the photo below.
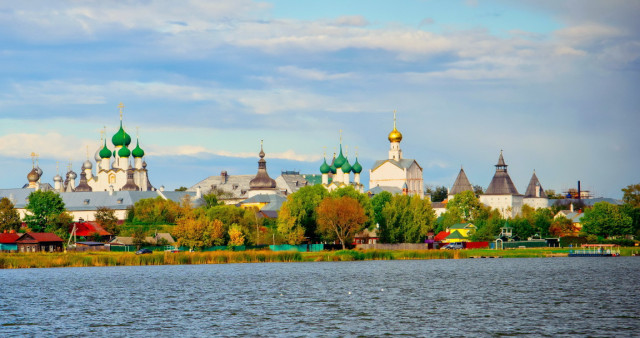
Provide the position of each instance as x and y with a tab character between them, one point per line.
573	240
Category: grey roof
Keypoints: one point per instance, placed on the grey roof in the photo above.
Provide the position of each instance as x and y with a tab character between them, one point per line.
378	189
92	200
461	184
501	184
274	201
236	185
531	188
17	196
404	163
291	182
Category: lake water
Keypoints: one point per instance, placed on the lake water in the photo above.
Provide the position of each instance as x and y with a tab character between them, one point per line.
471	297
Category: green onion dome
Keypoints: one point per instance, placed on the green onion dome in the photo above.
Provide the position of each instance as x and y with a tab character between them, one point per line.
357	167
124	152
137	152
346	167
324	168
105	152
121	138
333	167
339	161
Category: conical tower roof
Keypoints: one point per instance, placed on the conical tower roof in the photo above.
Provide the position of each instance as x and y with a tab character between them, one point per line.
501	184
461	184
531	188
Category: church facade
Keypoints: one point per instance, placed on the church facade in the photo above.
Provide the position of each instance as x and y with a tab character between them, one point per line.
397	172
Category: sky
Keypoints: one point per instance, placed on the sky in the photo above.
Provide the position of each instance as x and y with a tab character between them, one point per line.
553	84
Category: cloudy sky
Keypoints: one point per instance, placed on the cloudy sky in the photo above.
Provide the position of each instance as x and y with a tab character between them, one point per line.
555	84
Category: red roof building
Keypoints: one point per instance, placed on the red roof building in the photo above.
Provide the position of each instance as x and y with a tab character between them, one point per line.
441	236
87	229
8	237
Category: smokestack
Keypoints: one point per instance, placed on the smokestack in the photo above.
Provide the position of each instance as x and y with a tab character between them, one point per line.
579	193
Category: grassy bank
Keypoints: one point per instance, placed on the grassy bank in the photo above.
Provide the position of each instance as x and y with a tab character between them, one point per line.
84	259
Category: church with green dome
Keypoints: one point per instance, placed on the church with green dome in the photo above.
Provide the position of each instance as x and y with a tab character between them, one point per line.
338	174
117	169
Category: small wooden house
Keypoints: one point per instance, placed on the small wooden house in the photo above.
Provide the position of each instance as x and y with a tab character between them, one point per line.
39	241
8	241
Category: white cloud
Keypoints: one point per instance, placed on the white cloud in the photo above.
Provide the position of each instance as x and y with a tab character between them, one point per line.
312	74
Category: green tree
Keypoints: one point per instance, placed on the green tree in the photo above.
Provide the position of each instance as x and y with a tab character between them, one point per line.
156	211
439	194
606	220
407	219
632	195
107	219
478	190
9	217
467	206
60	224
139	237
299	212
634	214
181	189
542	219
378	202
43	208
340	218
210	200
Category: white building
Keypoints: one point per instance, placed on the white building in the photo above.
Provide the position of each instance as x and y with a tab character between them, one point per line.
397	172
502	193
535	196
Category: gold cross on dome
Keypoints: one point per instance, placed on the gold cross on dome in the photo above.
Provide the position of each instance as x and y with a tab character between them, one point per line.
121	107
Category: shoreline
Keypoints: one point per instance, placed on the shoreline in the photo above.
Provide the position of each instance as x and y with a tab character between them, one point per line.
102	258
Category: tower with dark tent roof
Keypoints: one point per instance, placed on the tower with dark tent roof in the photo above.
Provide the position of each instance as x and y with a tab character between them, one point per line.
502	193
461	184
535	196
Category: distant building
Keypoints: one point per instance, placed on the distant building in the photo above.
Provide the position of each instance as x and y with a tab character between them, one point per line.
83	205
397	171
502	193
535	196
461	184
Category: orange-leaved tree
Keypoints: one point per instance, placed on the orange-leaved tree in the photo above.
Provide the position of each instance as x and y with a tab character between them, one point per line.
198	232
340	218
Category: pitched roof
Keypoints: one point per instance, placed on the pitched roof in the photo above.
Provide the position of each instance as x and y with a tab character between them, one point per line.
292	182
40	237
236	185
501	184
378	189
89	228
456	235
462	226
8	238
461	184
441	235
531	188
404	163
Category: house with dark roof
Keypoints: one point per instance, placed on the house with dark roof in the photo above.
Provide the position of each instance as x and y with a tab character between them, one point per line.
502	193
460	232
39	242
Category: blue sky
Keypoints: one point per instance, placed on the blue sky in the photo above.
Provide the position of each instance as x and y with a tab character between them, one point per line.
553	84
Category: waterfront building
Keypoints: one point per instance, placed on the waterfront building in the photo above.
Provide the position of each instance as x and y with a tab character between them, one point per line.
397	172
502	193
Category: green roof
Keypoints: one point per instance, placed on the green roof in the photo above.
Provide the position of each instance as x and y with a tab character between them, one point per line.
456	235
462	226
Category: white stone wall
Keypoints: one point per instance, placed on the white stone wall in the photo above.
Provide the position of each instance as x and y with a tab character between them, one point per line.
390	175
508	205
536	202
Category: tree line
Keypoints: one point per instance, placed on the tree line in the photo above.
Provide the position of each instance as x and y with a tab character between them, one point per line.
313	214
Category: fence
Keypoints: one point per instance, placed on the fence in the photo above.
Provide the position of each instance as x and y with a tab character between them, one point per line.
299	248
541	243
400	246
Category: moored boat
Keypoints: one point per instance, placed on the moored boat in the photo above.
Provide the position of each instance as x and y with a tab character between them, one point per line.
596	250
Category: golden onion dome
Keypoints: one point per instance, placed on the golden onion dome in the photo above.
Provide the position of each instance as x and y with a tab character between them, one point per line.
395	135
